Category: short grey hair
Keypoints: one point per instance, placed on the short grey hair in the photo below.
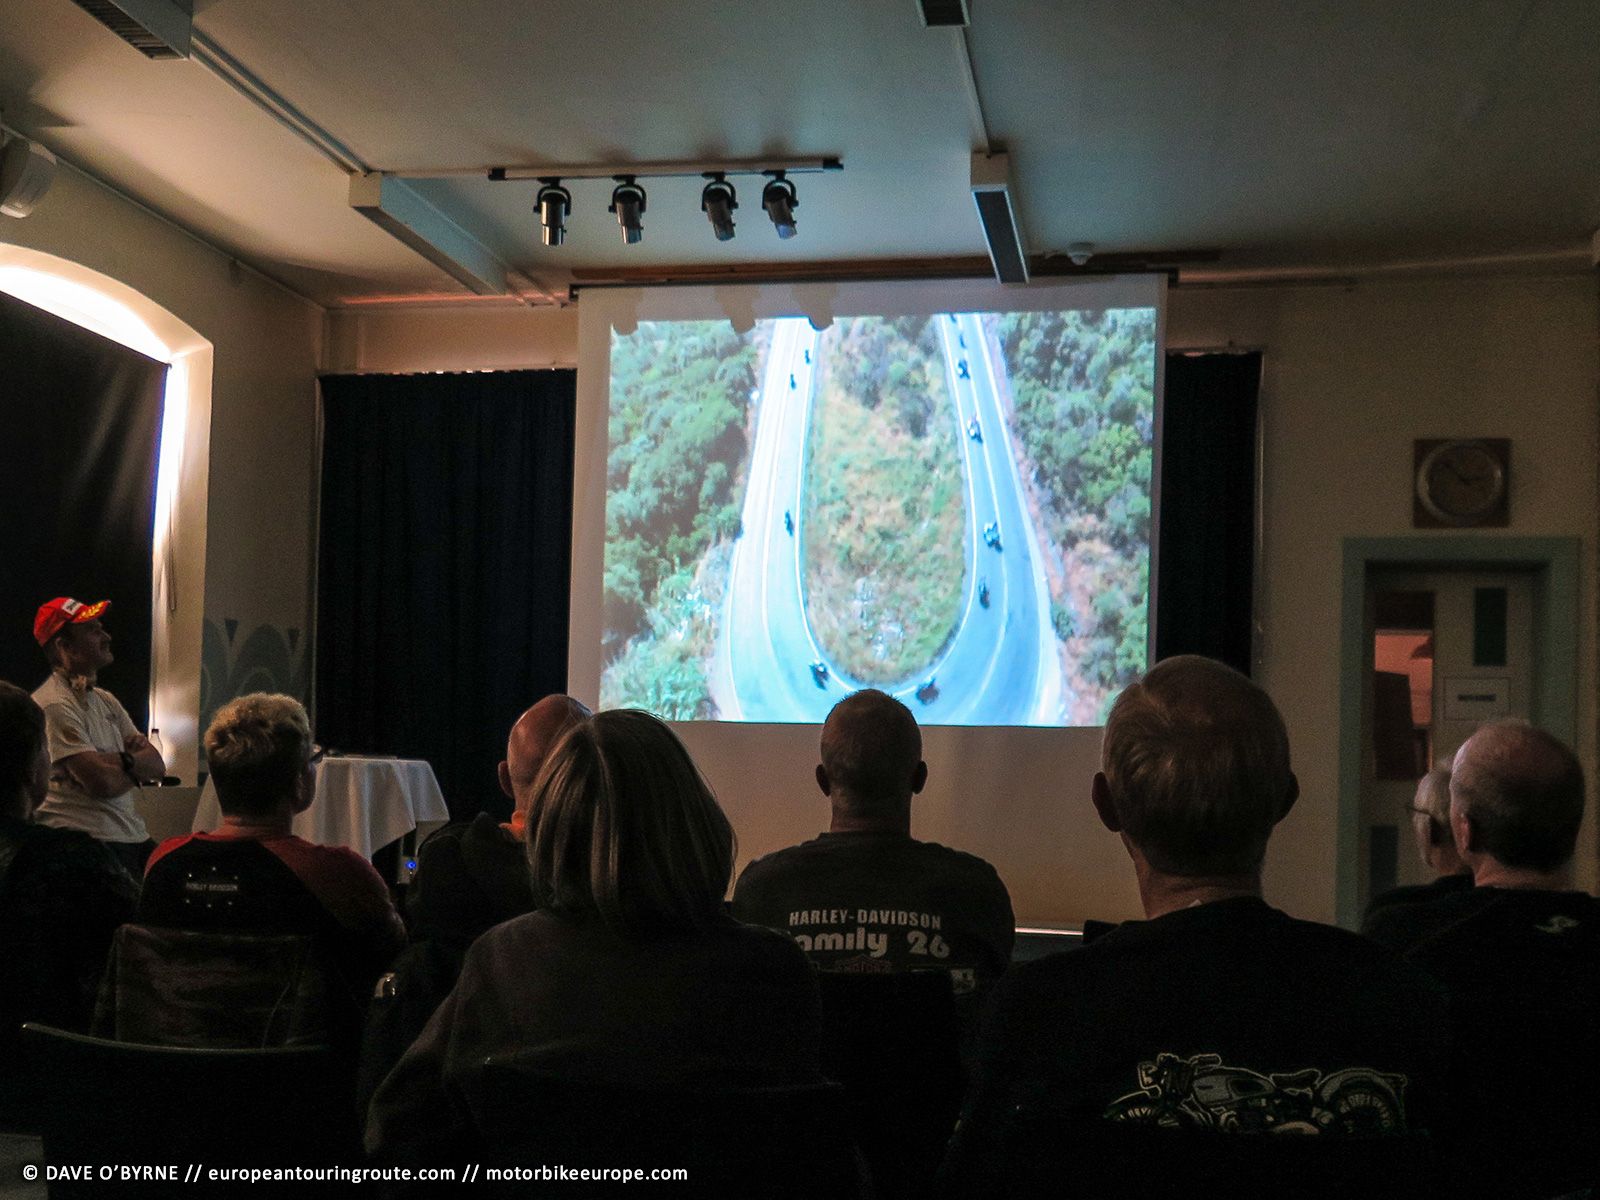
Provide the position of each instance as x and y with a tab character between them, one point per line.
257	747
1522	790
1196	759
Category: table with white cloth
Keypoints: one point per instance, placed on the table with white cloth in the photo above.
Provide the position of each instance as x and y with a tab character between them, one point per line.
363	803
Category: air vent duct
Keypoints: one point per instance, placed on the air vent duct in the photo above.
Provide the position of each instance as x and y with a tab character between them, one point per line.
997	213
155	28
944	14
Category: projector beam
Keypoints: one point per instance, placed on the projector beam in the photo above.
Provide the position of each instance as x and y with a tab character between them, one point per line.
406	215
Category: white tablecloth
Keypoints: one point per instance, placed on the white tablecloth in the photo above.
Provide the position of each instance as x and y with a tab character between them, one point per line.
363	803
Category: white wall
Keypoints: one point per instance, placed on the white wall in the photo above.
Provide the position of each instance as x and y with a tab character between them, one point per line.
251	566
1353	374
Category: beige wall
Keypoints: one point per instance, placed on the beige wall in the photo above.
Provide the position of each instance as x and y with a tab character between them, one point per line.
1352	375
257	544
471	336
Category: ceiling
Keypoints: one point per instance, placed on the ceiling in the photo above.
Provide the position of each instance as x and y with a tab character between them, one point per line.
1332	133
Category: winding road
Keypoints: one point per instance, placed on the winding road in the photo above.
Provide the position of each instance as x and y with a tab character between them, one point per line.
1001	665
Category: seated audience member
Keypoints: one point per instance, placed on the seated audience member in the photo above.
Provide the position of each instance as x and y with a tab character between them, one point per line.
1520	954
1216	1014
470	877
629	971
866	896
62	895
259	751
97	757
1391	915
474	875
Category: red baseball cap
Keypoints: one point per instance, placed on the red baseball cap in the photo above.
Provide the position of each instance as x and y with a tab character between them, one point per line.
61	612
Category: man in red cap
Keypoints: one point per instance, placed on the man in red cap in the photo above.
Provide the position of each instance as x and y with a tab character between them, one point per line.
97	757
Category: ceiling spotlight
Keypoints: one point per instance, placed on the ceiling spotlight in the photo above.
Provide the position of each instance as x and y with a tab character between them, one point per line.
780	201
627	201
717	201
554	202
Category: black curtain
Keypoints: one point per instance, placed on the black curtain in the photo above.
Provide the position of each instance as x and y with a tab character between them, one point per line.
445	560
1206	544
80	442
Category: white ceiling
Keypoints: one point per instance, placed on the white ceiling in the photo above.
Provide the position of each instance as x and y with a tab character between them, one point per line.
1304	133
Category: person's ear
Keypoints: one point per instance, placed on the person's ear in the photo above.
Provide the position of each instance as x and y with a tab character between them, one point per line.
1100	794
1289	797
305	790
919	778
823	781
505	780
1461	831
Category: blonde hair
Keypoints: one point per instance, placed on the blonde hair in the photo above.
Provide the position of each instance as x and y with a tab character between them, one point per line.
256	748
622	825
1196	758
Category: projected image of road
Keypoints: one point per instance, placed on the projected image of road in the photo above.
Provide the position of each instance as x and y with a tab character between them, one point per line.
954	508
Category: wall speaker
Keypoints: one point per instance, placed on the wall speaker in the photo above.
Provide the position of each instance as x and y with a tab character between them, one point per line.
26	171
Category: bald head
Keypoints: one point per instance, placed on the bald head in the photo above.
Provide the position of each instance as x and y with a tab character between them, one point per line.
531	738
871	756
1196	768
1516	795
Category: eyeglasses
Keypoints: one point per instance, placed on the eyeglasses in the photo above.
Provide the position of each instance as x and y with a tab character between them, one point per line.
318	753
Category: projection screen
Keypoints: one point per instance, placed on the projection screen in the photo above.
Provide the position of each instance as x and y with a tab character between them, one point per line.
943	489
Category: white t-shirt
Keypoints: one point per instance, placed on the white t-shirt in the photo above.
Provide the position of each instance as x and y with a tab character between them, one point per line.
75	724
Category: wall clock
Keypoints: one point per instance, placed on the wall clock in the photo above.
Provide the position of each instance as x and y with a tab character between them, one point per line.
1461	483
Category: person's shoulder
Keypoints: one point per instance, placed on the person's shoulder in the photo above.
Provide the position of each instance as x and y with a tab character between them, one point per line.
53	693
800	852
167	847
327	862
72	858
1353	955
955	860
757	948
60	845
757	939
781	864
106	698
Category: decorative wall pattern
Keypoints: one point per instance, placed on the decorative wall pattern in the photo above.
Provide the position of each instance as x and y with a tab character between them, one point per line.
269	659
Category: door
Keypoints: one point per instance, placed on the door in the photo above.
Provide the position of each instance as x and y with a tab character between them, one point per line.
1445	650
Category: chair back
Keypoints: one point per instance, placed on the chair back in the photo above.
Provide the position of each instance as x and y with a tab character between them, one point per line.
893	1041
776	1142
104	1102
172	987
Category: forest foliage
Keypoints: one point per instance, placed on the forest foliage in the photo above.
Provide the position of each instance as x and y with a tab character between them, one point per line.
1083	393
678	443
884	503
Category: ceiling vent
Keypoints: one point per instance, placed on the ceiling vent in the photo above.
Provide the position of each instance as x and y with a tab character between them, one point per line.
997	213
944	14
155	28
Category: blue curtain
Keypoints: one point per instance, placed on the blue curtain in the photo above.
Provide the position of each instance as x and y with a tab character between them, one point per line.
444	565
